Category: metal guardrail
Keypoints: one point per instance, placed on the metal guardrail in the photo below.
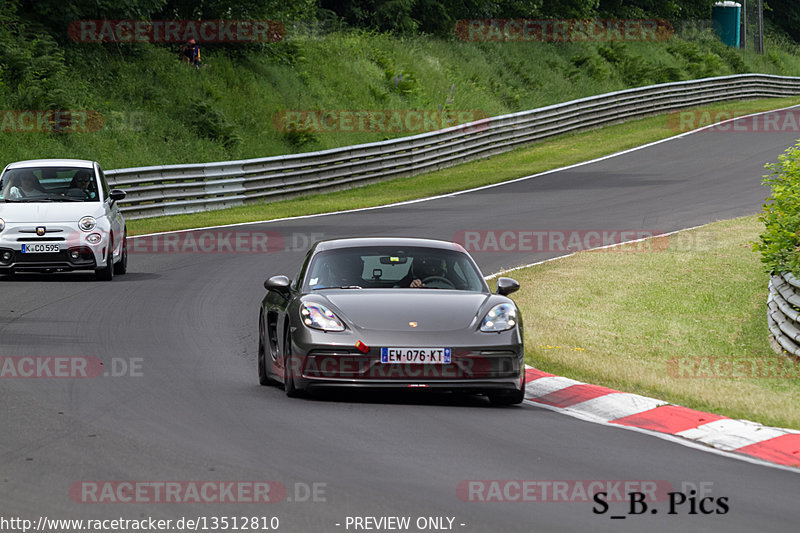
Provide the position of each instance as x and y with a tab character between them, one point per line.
176	189
783	315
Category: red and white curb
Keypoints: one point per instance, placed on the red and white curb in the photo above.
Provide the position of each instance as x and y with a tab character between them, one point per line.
600	404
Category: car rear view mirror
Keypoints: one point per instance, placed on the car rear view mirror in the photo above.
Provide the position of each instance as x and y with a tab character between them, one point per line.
506	286
117	194
393	260
279	284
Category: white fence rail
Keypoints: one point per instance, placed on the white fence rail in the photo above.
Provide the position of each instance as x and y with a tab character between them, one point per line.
175	189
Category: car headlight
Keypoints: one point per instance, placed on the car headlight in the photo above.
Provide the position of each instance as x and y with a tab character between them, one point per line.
94	238
318	316
500	318
2	224
87	223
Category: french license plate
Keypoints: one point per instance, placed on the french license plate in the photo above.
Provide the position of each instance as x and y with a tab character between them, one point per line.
436	356
40	248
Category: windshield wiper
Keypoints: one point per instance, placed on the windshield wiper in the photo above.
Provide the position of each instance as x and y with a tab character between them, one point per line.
36	199
341	287
29	200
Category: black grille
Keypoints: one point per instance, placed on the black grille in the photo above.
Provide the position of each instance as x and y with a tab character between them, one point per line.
40	258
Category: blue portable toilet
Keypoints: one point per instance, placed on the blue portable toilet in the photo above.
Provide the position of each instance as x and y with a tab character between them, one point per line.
725	17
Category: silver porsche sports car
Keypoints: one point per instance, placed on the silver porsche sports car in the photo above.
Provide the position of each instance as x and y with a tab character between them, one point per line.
391	313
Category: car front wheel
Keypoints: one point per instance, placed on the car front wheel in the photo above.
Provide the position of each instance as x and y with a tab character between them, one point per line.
263	372
122	266
288	368
107	273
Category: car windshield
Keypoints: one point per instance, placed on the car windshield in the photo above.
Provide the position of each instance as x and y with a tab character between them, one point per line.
393	267
49	184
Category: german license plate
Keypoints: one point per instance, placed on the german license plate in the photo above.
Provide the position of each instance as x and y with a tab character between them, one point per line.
38	248
435	356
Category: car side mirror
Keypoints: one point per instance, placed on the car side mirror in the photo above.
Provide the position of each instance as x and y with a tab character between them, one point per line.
279	284
117	194
506	286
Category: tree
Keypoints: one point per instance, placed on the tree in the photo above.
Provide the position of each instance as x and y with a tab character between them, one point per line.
570	8
785	14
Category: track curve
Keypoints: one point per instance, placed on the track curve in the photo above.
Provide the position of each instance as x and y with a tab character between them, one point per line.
196	411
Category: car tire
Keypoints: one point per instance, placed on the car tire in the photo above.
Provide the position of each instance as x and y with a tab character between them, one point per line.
263	372
499	399
288	375
122	267
107	273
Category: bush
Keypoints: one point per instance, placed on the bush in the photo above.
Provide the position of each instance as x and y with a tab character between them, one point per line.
780	242
33	71
211	123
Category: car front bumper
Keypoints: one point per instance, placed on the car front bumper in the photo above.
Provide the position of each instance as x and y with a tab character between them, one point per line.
74	251
495	362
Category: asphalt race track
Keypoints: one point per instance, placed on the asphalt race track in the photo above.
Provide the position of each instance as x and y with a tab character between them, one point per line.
178	334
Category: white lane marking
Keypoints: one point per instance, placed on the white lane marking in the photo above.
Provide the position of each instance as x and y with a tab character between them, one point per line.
457	193
665	436
617	405
713	437
543	386
727	434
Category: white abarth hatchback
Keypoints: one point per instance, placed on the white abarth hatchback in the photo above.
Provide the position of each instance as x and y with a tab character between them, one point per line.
59	215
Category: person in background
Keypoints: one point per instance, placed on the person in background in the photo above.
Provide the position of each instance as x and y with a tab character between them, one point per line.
190	53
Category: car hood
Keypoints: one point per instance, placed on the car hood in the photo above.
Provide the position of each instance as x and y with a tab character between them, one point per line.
394	309
44	212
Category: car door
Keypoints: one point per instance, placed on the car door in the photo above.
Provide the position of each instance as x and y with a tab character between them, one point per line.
113	214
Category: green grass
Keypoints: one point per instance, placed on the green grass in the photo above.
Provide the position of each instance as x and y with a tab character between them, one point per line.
558	152
160	111
617	317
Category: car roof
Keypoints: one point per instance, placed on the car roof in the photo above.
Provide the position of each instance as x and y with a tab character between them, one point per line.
356	242
35	163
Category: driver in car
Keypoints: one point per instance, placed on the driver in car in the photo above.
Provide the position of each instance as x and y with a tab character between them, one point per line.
82	185
423	268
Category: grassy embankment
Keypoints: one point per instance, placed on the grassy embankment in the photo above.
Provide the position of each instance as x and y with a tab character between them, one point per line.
157	110
680	318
